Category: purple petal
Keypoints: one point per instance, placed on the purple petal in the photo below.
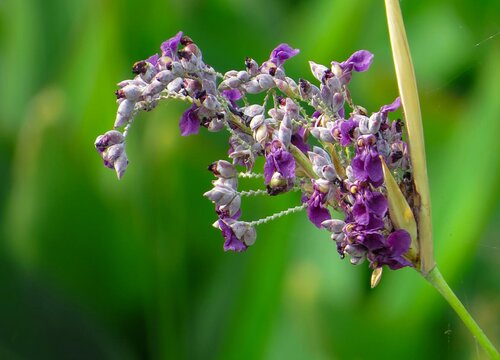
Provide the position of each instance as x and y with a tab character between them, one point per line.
376	202
375	224
373	241
269	168
153	59
298	139
232	243
317	214
358	168
281	53
373	167
361	214
169	47
232	95
359	61
285	164
391	107
346	130
399	241
189	124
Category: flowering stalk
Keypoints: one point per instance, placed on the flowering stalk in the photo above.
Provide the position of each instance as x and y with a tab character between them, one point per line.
360	165
421	202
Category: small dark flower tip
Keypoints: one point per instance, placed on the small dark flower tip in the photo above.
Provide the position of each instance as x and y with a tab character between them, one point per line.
186	40
140	67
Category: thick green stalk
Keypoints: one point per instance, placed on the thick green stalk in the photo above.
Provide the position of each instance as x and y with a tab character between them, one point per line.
436	279
409	98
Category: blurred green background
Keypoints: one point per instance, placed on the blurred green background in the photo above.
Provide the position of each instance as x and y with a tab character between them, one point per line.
96	268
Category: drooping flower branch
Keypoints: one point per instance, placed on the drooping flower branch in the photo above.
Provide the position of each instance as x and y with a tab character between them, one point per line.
312	137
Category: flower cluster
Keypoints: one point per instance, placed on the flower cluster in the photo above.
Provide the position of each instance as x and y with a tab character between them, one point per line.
342	172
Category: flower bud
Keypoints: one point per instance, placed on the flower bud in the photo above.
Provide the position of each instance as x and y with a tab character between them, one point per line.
261	134
256	122
318	70
121	165
154	88
211	103
252	66
221	195
244	232
124	112
109	138
253	110
363	124
328	172
232	82
243	76
232	207
285	130
333	225
265	81
277	185
338	102
175	85
131	92
223	169
164	77
374	123
252	87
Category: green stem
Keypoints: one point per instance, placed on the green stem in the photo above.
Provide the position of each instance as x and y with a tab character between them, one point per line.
303	161
437	280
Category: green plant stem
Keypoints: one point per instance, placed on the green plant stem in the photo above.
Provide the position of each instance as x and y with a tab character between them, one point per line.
437	280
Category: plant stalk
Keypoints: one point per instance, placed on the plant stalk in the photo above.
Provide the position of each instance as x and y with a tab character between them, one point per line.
436	279
407	85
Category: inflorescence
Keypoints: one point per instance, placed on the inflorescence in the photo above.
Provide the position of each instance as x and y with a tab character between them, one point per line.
343	171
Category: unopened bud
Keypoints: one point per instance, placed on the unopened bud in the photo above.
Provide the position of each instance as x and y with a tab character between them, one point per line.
244	232
253	110
223	169
333	225
318	70
256	122
265	81
277	185
124	112
252	87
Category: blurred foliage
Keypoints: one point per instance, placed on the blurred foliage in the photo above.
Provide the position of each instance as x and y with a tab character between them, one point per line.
93	268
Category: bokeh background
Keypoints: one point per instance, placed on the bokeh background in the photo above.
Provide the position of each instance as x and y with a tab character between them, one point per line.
96	268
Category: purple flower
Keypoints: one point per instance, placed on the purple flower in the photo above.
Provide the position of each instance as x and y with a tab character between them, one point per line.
298	139
153	59
232	95
391	253
169	47
367	166
279	160
231	243
281	53
391	107
359	61
347	131
316	210
189	124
